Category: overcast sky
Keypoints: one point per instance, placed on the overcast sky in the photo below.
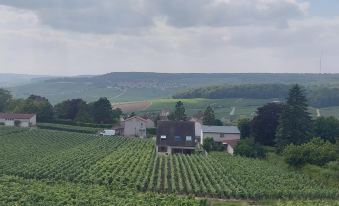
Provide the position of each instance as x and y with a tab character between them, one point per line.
72	37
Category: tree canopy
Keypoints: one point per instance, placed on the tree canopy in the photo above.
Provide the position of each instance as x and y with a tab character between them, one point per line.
265	123
179	113
5	98
295	124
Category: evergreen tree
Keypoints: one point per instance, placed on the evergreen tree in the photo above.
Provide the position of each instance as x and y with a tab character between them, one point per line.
179	112
244	126
295	121
264	124
209	117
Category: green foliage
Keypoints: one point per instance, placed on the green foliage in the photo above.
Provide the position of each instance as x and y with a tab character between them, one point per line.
328	173
19	191
179	112
37	105
317	152
115	164
69	109
209	118
248	148
209	145
327	128
69	128
244	126
255	91
265	123
295	123
102	111
5	99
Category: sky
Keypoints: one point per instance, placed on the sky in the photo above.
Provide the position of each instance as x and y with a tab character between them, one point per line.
79	37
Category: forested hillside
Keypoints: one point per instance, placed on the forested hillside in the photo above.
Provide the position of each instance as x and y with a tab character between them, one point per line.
134	86
318	96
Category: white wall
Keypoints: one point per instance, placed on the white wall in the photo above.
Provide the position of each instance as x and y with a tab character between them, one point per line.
216	136
134	127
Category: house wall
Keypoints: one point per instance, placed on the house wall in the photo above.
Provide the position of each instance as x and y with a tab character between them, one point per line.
150	124
216	136
33	121
134	127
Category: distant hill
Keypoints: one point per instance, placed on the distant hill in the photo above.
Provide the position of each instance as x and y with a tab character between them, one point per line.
10	80
134	86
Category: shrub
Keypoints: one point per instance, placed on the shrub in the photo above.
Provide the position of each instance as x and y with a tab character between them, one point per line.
316	151
248	148
210	145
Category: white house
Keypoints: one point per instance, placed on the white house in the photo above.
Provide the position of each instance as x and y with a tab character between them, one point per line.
134	127
229	136
18	120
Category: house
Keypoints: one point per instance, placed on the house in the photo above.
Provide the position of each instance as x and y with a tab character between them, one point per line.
134	127
198	125
229	136
18	120
175	137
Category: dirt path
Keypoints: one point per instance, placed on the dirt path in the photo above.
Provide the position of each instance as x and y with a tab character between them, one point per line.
232	111
318	113
119	95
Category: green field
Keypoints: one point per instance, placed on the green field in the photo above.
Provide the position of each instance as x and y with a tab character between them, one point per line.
243	108
222	107
63	161
69	128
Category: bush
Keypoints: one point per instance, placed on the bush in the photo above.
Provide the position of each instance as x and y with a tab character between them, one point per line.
81	124
316	151
247	148
210	145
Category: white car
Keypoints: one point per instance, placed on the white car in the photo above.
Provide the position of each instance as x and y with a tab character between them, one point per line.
107	132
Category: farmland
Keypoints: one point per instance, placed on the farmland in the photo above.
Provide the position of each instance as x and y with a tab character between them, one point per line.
103	164
222	107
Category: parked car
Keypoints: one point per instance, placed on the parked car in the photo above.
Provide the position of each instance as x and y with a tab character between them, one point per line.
107	132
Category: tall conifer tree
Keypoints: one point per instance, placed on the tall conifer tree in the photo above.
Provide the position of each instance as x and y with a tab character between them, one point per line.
295	122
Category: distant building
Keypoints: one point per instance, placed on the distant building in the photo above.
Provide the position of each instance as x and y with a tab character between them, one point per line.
18	120
134	127
229	136
164	114
175	137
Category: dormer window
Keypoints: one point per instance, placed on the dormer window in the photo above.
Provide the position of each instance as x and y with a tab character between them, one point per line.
163	137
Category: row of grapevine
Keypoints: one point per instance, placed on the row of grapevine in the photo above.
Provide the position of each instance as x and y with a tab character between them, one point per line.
133	163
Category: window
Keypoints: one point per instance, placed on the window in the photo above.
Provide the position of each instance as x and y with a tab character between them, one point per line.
177	138
188	138
163	137
222	135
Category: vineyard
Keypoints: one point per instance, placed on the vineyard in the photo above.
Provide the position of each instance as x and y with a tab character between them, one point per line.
114	162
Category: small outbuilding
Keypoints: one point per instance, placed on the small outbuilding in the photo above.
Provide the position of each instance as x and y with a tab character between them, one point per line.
18	120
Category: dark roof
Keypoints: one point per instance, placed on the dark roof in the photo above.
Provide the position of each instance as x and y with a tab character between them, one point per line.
171	129
15	116
220	129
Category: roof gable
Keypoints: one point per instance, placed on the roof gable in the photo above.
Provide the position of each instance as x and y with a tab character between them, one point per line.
15	116
137	118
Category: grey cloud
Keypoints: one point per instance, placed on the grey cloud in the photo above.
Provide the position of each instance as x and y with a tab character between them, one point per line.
107	16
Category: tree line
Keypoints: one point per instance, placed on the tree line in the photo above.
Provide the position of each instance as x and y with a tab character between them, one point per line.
317	96
289	128
76	110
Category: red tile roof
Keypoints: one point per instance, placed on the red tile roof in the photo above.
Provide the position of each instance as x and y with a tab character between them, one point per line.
15	116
